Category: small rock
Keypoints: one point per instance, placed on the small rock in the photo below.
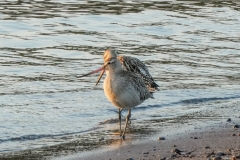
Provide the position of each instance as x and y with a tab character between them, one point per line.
195	138
236	126
130	159
233	134
176	151
145	152
238	134
164	158
207	147
174	145
229	120
219	154
161	138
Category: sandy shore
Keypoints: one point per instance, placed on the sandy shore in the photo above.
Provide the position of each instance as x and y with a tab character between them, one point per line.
199	141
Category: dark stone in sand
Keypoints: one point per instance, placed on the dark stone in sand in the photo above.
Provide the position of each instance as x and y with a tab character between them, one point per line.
145	152
233	134
236	126
219	154
207	147
229	120
176	151
195	138
161	138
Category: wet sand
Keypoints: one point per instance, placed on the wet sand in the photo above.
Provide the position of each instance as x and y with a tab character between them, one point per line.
213	140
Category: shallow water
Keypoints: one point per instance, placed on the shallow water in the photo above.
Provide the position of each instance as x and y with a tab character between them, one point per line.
191	48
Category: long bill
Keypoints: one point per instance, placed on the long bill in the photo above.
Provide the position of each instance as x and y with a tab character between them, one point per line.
95	71
100	77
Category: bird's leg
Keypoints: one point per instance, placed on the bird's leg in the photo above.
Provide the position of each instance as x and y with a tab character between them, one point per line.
127	118
119	118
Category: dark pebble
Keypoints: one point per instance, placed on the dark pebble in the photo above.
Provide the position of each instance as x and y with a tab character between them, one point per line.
207	147
164	158
161	138
229	120
174	145
130	159
233	134
236	126
219	154
176	151
145	152
195	138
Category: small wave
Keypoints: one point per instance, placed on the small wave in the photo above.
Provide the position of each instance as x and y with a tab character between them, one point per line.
27	137
202	100
187	101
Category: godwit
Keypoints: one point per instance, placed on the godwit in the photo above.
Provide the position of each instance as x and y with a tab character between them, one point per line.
126	85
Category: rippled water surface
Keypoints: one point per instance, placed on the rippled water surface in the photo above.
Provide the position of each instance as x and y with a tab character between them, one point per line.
191	48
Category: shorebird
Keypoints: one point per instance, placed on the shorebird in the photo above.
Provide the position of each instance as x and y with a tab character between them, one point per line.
127	84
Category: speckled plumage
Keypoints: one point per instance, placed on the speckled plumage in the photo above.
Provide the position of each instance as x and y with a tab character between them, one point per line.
136	66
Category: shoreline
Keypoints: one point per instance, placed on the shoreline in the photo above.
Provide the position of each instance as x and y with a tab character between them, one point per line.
194	135
210	140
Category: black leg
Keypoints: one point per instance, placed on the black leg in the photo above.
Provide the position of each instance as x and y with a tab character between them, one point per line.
129	116
119	118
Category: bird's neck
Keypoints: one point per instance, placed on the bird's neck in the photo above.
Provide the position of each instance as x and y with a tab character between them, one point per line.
114	68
